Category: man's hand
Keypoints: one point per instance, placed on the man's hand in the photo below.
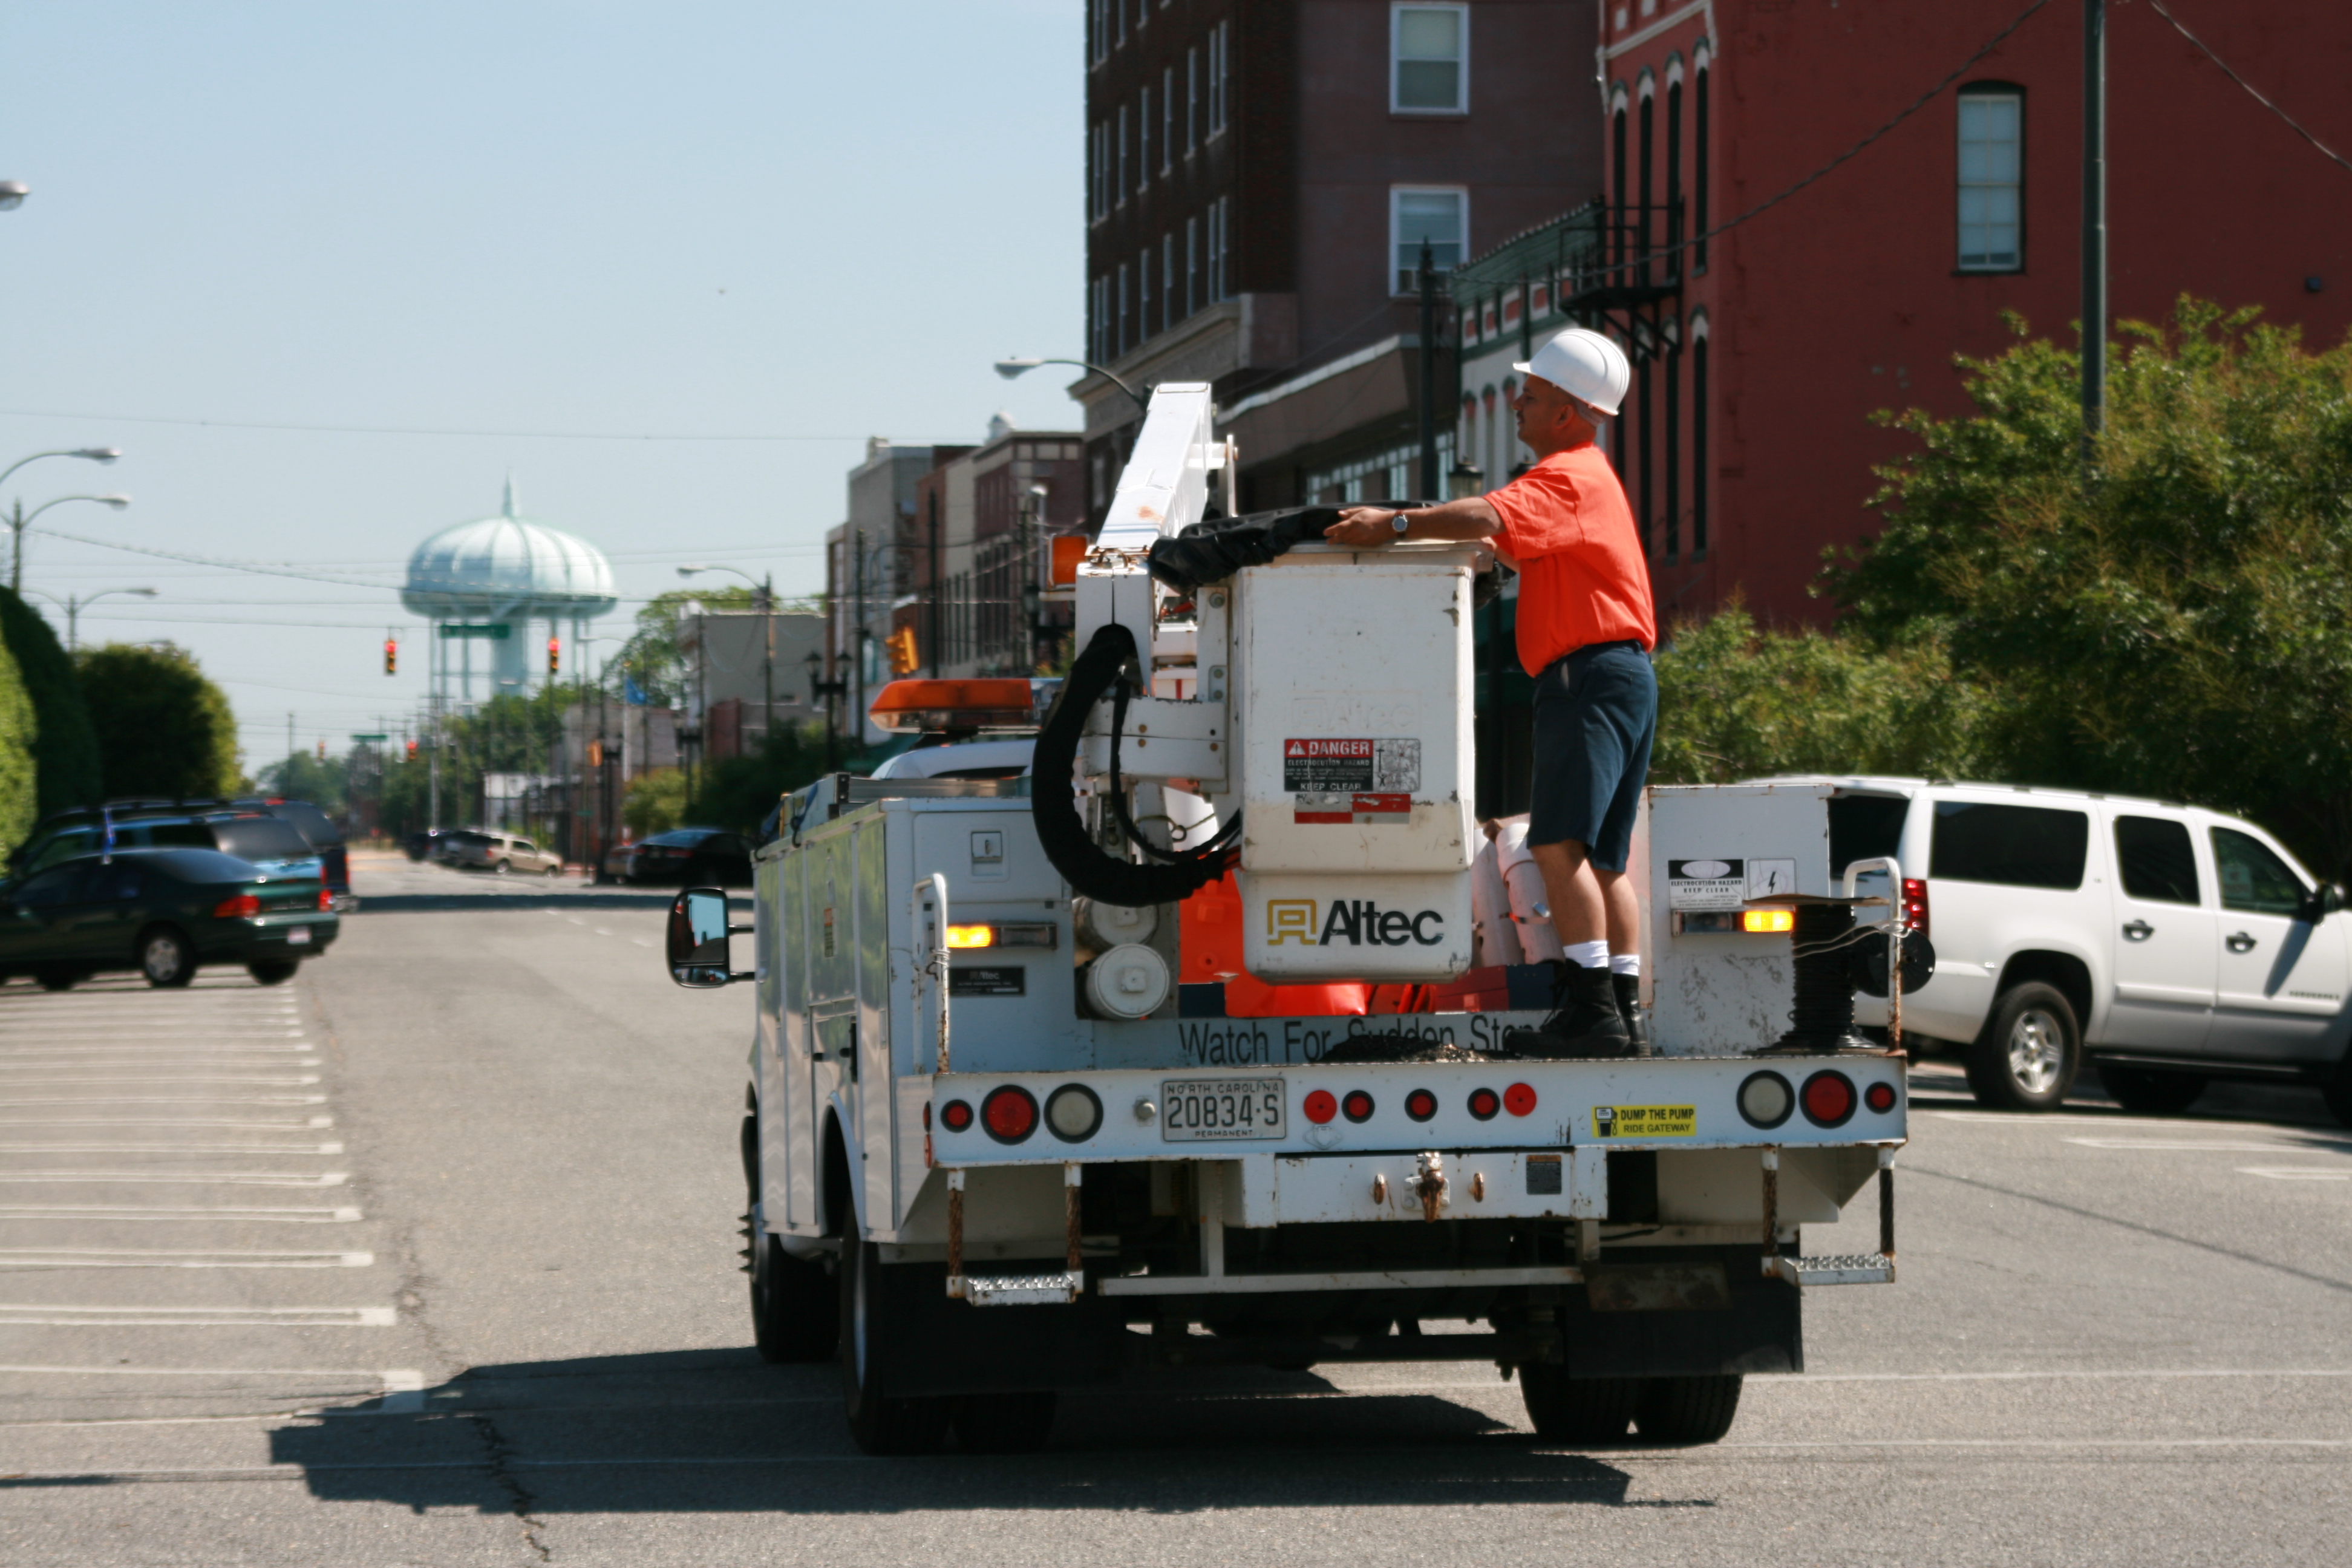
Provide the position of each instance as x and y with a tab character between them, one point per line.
1364	526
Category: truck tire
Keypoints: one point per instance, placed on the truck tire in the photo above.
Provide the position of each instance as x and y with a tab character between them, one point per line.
795	1309
2339	1093
1687	1409
878	1425
2027	1058
2152	1092
1006	1423
1578	1409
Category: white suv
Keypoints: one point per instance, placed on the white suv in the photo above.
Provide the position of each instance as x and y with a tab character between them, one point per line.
2168	944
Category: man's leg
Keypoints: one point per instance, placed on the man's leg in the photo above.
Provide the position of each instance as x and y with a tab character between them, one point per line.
1624	913
1580	910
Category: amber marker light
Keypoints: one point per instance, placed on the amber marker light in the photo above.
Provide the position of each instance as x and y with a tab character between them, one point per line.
971	936
1767	921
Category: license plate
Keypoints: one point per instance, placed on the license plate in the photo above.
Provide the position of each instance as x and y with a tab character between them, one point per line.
1223	1109
297	936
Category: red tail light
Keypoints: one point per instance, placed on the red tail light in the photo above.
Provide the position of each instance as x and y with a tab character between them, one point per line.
1484	1103
1421	1105
243	907
1357	1106
1915	904
1009	1113
1320	1107
1519	1099
1828	1098
326	899
1879	1097
955	1115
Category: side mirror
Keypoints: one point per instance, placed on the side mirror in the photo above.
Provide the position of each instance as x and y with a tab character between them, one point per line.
700	956
2323	901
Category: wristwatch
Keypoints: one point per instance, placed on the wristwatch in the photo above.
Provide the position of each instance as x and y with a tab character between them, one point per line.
1401	521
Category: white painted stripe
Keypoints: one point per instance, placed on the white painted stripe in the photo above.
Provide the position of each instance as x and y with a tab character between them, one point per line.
386	1380
165	1100
2030	1118
181	1215
641	942
2039	1443
147	1081
100	1037
216	1178
38	1314
2183	1145
301	1472
171	1148
168	1048
2120	1375
2295	1173
281	1124
133	1257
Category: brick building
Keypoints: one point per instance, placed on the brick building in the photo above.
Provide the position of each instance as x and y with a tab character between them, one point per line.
982	517
1261	177
1746	446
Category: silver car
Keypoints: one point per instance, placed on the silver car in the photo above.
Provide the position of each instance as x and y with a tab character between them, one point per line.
499	852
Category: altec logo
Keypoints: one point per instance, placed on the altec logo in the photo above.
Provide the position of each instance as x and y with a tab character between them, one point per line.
1360	923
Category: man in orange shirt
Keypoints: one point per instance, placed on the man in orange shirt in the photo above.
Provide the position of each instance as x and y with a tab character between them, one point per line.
1585	626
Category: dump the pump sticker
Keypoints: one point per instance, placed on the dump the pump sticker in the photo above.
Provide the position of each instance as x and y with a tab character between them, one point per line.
1645	1122
1706	884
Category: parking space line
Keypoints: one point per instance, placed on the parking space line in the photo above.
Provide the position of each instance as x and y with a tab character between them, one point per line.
209	1178
149	1082
17	1102
41	1314
179	1215
289	1124
171	1148
2295	1173
174	1258
2218	1146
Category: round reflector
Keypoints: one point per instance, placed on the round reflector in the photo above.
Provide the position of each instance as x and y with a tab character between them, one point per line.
1879	1097
1421	1105
1484	1103
1358	1106
955	1116
1320	1107
1009	1113
1765	1100
1074	1111
1829	1098
1519	1099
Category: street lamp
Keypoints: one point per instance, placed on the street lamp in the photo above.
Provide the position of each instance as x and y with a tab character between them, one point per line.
74	605
13	194
18	519
828	691
1019	365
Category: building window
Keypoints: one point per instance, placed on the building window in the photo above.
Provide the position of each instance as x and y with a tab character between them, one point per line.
1992	174
1168	119
1698	436
1168	280
1098	30
1429	59
1119	344
1143	138
1616	248
1646	193
1143	295
1674	178
1191	100
1219	46
1216	259
1118	21
1440	218
1699	168
1673	441
1118	187
1192	265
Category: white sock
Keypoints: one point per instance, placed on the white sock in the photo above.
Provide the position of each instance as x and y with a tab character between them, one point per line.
1625	963
1586	954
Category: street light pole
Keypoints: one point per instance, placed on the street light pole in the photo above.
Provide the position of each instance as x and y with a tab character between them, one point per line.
74	605
18	516
1018	365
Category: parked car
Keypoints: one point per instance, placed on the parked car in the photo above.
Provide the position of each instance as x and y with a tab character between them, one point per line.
248	834
700	856
2165	944
162	912
318	830
470	849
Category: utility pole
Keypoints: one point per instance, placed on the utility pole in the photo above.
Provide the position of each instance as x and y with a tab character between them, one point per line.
1429	372
2094	232
768	661
935	671
858	642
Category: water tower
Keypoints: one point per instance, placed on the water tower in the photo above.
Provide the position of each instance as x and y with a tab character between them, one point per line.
495	582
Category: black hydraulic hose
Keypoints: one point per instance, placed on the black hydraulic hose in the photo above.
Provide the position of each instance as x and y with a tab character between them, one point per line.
1062	831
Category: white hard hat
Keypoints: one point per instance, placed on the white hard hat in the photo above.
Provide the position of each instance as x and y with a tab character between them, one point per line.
1584	365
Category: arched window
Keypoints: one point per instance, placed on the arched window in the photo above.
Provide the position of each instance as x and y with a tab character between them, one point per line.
1991	178
1698	334
1674	174
1617	180
1648	193
1673	474
1700	57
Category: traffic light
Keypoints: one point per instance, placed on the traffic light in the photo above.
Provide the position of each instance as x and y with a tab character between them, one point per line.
391	657
555	655
903	655
322	750
412	748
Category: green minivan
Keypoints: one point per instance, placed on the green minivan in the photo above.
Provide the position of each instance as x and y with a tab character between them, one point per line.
161	913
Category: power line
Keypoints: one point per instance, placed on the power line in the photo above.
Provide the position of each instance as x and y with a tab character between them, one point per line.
2207	50
416	430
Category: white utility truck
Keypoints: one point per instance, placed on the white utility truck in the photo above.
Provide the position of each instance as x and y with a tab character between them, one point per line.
995	1150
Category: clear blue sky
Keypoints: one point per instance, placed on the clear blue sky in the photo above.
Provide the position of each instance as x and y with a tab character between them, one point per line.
697	220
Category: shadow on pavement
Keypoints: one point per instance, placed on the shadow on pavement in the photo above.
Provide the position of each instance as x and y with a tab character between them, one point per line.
716	1430
492	898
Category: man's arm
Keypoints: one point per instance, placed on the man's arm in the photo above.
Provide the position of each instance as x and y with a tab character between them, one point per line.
1468	518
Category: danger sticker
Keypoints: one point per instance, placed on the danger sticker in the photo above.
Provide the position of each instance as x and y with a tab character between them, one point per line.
1706	884
1350	765
1374	810
1645	1122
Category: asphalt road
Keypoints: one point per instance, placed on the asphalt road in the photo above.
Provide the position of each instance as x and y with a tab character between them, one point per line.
428	1258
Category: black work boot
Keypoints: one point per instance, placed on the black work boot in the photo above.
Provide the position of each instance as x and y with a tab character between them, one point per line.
1629	1007
1584	1020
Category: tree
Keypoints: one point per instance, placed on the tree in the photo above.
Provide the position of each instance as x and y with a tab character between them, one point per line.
65	751
18	743
651	657
1736	702
162	728
740	792
656	802
2180	625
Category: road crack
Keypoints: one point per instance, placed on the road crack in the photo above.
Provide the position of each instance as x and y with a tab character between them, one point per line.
498	1457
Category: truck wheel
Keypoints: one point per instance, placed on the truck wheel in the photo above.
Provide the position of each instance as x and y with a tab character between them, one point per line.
879	1425
1578	1409
795	1310
1006	1423
2029	1054
2339	1093
1687	1409
2151	1090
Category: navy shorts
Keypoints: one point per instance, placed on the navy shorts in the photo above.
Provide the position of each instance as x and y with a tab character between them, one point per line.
1596	716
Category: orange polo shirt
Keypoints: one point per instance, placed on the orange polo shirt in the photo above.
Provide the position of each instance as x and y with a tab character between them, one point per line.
1581	576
